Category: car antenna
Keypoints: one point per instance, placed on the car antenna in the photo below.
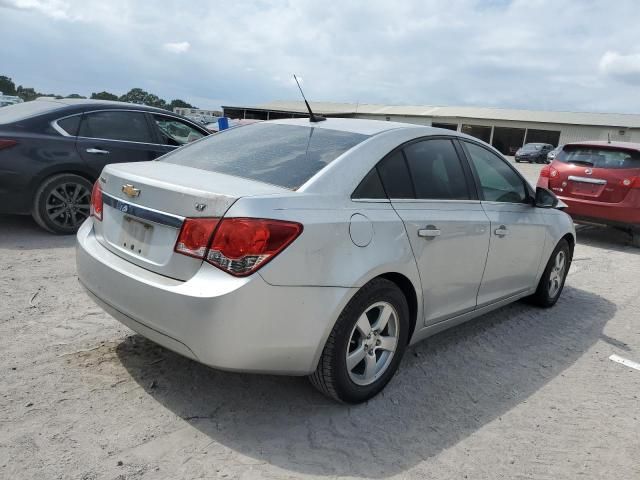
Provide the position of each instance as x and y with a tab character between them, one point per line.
312	117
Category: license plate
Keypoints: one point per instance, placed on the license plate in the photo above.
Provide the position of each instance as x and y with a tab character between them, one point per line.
585	188
136	236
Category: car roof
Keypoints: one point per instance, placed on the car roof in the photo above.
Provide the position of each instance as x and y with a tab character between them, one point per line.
605	144
78	102
356	125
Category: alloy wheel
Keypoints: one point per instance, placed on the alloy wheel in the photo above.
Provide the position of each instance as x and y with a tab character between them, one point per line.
68	205
372	344
556	276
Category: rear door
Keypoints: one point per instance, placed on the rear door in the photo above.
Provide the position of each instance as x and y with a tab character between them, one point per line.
595	173
447	228
518	229
116	136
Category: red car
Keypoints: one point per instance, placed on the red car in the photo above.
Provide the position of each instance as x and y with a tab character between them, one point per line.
600	183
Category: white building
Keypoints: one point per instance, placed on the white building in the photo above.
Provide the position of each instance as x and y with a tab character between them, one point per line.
505	129
198	114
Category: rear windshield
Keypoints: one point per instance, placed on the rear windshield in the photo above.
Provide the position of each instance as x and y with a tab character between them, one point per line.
283	155
600	157
20	111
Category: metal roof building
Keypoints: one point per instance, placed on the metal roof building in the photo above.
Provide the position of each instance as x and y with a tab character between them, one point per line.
505	129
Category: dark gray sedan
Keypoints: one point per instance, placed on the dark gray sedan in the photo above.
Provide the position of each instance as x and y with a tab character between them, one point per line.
51	152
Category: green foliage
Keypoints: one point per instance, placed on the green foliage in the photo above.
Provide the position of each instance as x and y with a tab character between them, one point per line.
135	95
7	86
104	96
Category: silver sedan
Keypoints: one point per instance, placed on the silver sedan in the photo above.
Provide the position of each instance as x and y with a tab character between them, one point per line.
319	248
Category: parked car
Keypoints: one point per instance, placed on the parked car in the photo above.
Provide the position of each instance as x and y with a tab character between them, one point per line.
552	154
51	152
318	248
533	152
600	183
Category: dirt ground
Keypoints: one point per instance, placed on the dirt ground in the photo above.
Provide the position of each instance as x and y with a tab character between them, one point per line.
518	393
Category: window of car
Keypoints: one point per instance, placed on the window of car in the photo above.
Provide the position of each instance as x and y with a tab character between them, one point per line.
279	154
498	181
395	177
70	124
370	186
436	170
176	132
116	125
599	157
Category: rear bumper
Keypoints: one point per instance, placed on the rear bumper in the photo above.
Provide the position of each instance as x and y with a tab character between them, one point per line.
242	324
623	214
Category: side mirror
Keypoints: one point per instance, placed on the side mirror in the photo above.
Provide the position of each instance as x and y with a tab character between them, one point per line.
545	198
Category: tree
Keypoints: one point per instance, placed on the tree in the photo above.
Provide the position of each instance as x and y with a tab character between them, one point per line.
27	93
75	95
7	86
104	96
177	103
135	95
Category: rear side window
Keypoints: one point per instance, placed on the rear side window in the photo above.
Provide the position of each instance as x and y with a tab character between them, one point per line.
370	187
395	176
283	155
599	157
436	170
116	125
70	124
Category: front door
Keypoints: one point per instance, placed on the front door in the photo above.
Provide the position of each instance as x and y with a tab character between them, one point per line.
447	227
517	228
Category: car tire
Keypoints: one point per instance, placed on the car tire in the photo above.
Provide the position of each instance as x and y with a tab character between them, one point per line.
62	203
552	280
357	380
635	237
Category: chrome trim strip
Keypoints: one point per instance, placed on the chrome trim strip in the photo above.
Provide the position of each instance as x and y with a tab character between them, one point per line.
594	181
144	213
434	200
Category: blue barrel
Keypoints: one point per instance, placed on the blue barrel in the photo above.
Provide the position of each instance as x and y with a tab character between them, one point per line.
223	123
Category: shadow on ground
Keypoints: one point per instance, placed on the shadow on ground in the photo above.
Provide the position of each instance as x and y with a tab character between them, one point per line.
606	238
20	232
447	388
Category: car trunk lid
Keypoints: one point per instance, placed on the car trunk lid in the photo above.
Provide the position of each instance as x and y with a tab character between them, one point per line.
145	204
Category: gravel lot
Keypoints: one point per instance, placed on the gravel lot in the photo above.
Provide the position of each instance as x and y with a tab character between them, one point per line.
518	393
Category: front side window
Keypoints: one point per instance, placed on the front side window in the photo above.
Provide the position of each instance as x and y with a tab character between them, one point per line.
283	155
116	125
499	183
175	132
436	170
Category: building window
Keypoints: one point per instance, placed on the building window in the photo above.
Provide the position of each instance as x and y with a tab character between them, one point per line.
508	140
481	132
447	126
543	136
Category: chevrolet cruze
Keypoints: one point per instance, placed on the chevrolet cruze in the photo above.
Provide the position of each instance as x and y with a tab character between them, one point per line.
319	248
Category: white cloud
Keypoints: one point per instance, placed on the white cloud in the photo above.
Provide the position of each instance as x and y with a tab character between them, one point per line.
57	9
177	47
622	67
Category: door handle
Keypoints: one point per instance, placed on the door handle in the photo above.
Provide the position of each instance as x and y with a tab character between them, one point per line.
97	151
501	231
429	232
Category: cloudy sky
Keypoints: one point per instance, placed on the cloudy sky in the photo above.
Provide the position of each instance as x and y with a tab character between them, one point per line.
580	55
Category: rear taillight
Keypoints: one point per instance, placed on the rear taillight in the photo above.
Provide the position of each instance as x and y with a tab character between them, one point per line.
633	182
239	246
96	201
7	143
195	236
548	172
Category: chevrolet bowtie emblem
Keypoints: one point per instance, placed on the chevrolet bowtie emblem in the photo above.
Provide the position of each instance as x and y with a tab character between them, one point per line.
130	191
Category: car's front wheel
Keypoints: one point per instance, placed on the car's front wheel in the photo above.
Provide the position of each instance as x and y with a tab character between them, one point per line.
62	203
366	344
554	275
